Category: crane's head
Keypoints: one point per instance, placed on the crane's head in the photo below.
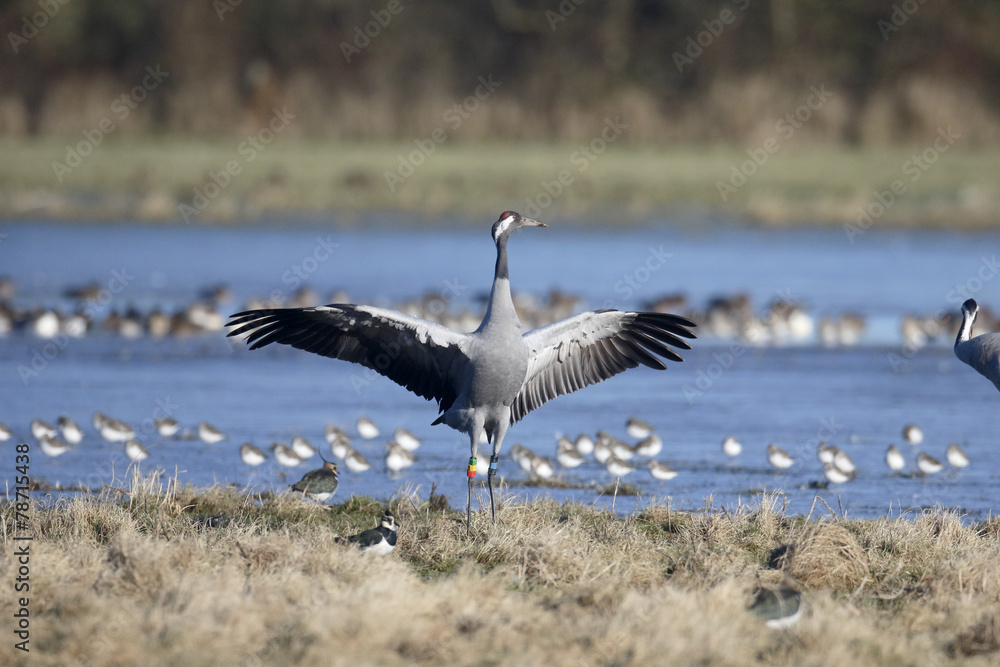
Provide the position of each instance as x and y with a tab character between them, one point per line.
509	221
971	307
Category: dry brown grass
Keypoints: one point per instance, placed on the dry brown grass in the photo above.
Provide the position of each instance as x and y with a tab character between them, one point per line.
168	575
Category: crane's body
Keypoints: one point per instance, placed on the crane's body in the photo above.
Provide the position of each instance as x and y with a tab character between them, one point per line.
490	378
982	352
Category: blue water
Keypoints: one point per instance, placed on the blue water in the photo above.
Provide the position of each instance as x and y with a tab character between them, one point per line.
856	398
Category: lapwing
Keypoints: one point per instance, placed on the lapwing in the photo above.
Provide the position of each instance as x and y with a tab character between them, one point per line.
320	484
378	541
778	607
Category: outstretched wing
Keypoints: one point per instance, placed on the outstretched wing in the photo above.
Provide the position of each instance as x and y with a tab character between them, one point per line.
591	347
425	357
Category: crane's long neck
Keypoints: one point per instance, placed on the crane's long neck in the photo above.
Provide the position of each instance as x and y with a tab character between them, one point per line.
501	305
965	332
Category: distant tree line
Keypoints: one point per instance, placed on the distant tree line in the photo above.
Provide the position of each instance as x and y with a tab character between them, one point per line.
671	70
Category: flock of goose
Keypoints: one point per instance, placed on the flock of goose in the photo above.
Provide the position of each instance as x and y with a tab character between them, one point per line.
726	317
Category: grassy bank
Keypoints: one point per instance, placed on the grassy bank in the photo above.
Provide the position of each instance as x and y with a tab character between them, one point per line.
154	574
150	179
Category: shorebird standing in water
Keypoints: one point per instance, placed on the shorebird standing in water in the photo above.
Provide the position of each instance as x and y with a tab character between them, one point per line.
894	459
251	454
71	431
210	434
731	446
661	471
42	429
778	457
912	434
486	380
928	464
956	457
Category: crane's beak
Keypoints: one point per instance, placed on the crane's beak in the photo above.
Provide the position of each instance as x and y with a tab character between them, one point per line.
528	222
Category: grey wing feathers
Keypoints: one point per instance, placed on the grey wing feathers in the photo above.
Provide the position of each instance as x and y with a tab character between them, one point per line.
420	355
591	347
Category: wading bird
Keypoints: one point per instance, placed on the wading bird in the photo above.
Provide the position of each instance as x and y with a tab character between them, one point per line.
380	540
321	484
981	352
486	380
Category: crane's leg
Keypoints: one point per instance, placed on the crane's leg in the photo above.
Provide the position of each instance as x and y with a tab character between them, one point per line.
497	438
474	437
